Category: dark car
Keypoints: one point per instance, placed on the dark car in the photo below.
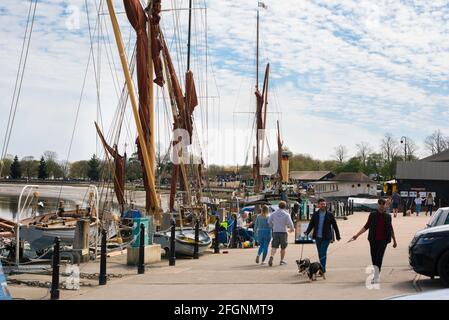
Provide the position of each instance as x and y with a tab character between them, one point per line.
429	253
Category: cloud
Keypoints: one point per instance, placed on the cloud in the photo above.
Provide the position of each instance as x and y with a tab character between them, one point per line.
341	72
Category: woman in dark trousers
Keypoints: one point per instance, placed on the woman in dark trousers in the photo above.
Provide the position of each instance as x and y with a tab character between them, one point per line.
321	223
380	234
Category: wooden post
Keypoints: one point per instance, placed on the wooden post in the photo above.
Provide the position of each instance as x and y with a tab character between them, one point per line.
81	241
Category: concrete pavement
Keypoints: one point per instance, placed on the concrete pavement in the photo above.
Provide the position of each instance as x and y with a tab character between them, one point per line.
235	275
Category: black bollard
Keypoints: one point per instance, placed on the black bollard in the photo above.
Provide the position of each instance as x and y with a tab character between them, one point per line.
234	232
216	242
352	206
141	264
102	278
54	292
404	207
172	259
197	240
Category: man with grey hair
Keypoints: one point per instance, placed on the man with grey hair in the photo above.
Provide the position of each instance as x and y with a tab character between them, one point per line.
279	221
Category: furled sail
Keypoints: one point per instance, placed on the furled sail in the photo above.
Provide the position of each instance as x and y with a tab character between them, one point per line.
119	169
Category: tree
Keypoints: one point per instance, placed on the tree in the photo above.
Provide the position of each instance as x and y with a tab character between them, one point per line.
42	171
341	153
16	171
352	165
79	169
94	168
5	166
55	170
29	166
374	164
389	147
363	151
436	142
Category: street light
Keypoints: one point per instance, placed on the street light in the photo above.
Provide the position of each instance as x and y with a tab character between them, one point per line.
404	141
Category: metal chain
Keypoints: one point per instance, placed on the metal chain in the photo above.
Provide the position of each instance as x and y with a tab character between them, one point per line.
44	284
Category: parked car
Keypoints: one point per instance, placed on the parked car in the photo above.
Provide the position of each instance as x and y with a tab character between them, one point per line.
439	218
441	294
429	252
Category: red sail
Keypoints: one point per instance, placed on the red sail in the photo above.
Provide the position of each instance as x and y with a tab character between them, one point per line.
137	17
119	170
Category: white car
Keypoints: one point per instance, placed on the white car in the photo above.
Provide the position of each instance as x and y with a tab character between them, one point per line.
441	294
439	218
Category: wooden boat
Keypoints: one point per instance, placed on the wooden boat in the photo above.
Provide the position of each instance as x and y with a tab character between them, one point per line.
185	240
6	228
40	231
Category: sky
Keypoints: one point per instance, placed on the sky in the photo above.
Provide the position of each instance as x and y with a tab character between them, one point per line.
341	72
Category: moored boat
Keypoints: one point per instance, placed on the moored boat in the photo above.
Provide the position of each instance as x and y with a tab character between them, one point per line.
185	240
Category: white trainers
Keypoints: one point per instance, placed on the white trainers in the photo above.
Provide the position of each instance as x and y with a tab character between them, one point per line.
282	263
263	263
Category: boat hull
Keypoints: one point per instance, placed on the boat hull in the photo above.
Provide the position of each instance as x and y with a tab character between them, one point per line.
41	238
184	244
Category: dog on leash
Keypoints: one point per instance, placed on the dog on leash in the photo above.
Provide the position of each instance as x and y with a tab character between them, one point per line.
312	270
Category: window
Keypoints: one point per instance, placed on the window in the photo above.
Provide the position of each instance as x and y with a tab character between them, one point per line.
353	186
358	185
368	185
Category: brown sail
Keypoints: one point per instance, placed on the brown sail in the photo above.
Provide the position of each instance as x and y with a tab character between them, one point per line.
138	19
119	169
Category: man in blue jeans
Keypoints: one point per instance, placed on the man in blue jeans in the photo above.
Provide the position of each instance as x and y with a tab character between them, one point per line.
321	223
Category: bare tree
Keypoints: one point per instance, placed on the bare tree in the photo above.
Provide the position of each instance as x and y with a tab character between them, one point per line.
412	149
436	142
389	147
341	153
363	151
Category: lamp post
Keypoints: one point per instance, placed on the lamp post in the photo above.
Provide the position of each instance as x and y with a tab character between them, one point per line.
404	141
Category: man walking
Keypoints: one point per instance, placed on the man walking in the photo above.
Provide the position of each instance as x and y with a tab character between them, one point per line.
321	223
278	221
380	234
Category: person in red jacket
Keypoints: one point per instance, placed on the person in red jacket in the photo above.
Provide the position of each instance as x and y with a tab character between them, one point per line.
380	234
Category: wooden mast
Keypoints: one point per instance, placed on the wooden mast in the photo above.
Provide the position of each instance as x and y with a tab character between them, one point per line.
132	96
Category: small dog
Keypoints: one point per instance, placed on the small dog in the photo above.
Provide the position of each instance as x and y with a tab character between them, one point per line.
312	270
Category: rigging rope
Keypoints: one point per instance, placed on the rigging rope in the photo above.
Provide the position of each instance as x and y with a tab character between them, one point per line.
21	70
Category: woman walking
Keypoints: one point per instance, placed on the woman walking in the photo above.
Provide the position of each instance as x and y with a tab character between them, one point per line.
418	203
263	232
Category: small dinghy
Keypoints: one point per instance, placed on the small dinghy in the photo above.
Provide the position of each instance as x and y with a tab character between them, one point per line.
185	240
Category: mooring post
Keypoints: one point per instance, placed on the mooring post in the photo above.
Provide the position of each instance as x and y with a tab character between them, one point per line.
197	239
54	292
352	206
102	278
234	232
217	243
172	259
141	264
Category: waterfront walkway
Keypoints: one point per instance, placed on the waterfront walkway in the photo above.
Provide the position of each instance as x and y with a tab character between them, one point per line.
235	275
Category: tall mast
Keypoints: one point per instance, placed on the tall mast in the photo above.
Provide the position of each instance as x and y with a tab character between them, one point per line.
151	96
190	33
257	53
134	104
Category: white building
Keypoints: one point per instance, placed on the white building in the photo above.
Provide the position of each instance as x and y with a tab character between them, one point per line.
345	184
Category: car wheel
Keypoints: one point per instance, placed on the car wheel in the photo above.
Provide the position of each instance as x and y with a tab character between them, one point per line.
443	268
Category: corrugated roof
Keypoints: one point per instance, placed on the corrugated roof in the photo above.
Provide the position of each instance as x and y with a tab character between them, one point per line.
309	175
352	177
422	170
439	157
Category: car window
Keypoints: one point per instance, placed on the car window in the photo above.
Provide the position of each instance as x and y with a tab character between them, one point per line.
447	219
433	221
